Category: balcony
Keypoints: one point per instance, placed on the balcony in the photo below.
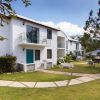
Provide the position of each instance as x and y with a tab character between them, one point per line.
60	42
25	40
61	46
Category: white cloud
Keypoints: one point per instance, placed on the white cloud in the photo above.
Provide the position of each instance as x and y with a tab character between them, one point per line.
50	23
67	27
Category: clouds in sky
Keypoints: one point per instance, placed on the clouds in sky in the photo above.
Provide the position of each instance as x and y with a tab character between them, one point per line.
67	27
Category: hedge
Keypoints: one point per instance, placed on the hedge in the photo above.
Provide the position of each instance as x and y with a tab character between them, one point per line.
7	64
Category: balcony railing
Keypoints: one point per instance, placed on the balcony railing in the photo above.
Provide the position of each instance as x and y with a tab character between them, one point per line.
61	46
33	40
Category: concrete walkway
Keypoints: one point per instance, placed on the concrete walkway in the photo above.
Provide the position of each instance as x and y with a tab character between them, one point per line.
84	78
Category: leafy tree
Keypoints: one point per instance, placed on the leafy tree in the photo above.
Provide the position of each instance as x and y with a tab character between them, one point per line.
89	43
92	30
92	25
6	8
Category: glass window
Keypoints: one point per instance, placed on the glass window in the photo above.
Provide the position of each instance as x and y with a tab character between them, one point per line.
37	54
70	42
32	34
77	46
49	34
49	53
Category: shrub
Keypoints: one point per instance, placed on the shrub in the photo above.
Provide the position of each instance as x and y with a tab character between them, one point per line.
7	63
73	57
55	66
67	58
60	60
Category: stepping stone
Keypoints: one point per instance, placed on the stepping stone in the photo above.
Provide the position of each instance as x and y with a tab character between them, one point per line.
16	84
85	79
61	83
5	83
29	84
45	84
75	81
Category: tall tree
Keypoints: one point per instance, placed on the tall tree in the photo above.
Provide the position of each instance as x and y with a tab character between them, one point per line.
92	30
7	9
89	43
92	25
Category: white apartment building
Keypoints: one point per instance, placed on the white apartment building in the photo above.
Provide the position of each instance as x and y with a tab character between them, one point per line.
67	45
35	45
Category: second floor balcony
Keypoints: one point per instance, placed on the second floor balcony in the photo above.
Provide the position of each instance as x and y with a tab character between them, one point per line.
61	46
60	42
33	40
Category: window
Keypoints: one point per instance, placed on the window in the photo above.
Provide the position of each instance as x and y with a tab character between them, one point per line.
70	42
32	34
49	34
98	53
37	54
49	53
77	46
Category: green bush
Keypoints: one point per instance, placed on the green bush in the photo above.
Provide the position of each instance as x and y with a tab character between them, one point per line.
67	58
60	60
56	66
7	64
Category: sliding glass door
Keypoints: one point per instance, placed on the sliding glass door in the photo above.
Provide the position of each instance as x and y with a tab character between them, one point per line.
32	34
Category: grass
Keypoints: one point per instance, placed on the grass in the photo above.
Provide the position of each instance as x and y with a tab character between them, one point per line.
80	67
85	91
35	77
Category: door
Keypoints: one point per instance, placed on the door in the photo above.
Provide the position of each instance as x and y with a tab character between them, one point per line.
29	56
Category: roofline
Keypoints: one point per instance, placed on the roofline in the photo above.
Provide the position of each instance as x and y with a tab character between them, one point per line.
29	20
68	37
38	23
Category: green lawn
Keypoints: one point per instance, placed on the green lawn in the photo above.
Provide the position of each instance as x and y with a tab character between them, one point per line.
80	67
85	91
35	77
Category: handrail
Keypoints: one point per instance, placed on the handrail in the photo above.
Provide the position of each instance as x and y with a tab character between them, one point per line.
42	39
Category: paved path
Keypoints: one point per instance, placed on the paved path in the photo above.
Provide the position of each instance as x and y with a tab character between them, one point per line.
66	73
82	79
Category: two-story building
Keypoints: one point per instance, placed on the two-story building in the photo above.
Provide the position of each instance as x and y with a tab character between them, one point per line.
33	43
36	45
67	45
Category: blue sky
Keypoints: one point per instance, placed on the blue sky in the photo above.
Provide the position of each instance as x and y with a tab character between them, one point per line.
57	11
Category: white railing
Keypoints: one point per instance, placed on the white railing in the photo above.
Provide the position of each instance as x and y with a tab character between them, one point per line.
41	40
61	46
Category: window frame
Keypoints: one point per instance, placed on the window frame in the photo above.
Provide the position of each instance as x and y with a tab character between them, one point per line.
37	57
34	32
49	34
49	56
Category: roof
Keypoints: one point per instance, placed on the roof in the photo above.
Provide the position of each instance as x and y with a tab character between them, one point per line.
68	37
93	52
36	22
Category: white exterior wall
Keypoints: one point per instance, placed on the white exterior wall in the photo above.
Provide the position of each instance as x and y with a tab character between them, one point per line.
71	47
61	44
18	28
5	44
